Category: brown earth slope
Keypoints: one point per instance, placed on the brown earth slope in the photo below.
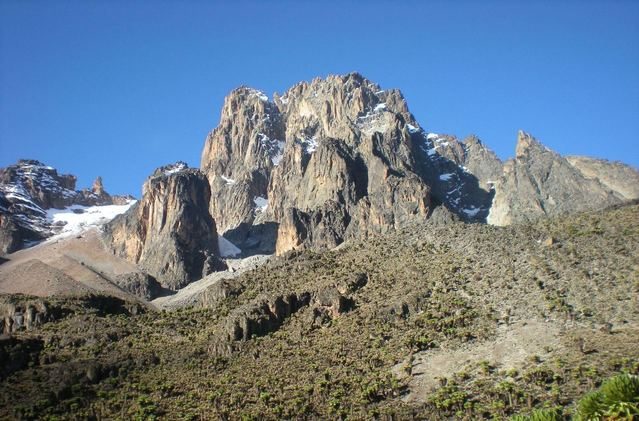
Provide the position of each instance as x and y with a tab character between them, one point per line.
68	266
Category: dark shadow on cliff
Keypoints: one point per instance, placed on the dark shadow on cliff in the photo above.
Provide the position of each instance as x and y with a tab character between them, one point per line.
458	190
254	239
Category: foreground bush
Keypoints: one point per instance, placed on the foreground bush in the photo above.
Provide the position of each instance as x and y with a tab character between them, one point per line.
617	399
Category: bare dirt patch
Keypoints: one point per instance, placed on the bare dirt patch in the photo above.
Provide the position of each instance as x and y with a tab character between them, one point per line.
510	349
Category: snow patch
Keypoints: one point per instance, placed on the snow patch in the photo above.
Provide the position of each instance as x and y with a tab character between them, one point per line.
274	148
227	249
432	136
261	203
446	177
309	144
277	158
260	95
473	211
413	129
229	181
175	168
379	107
77	219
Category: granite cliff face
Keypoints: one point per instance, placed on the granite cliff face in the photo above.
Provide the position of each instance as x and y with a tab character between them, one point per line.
341	158
326	161
620	178
28	189
539	182
169	233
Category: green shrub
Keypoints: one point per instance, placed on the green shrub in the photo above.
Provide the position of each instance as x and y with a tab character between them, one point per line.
617	398
552	414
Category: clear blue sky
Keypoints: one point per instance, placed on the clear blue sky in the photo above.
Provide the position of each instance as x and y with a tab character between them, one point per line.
117	88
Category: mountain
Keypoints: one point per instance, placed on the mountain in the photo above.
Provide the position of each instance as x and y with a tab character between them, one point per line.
29	189
169	233
329	161
340	158
337	259
324	162
539	182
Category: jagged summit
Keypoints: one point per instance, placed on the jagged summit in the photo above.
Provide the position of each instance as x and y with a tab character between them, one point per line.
341	157
334	159
539	182
528	144
30	190
316	152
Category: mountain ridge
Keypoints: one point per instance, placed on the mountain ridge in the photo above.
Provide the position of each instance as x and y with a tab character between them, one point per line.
332	160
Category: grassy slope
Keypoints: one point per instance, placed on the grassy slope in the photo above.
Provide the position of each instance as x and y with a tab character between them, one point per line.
431	291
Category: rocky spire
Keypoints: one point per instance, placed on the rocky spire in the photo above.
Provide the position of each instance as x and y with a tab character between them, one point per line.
169	233
98	187
539	182
335	149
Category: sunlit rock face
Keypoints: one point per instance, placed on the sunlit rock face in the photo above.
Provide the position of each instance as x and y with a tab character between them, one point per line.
326	161
169	233
539	182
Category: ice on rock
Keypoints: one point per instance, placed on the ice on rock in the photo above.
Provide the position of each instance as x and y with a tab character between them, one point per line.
412	129
261	203
309	144
473	211
76	219
227	249
175	168
229	181
379	107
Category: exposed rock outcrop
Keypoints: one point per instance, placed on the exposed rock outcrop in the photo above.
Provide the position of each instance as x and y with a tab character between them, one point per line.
326	161
28	189
616	176
39	183
24	315
169	233
539	182
266	314
10	234
460	173
139	284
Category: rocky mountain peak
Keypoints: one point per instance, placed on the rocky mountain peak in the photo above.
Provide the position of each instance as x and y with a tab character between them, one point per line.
318	147
169	233
527	145
539	182
341	157
340	105
28	189
35	181
98	188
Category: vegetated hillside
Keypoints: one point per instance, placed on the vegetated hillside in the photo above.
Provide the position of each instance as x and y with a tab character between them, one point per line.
439	320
